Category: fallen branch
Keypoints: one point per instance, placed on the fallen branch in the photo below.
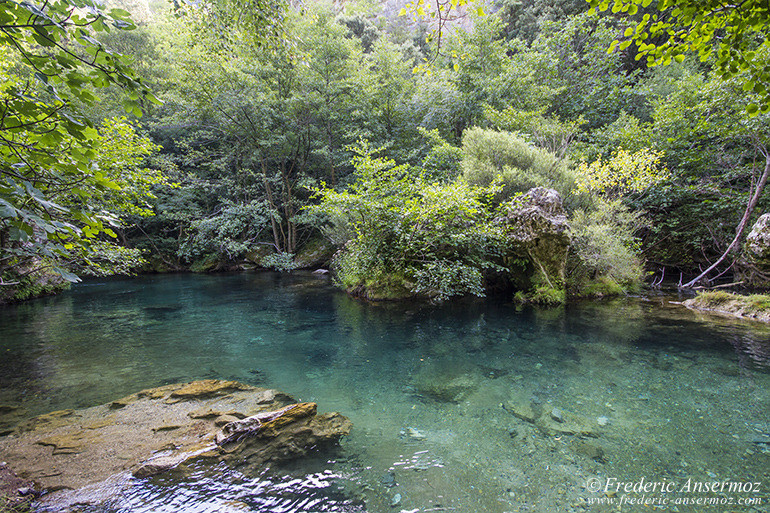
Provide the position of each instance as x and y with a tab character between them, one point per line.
744	221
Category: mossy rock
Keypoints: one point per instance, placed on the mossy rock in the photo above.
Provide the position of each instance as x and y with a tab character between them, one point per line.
601	286
541	295
754	307
316	253
39	284
445	383
258	252
155	264
389	287
538	238
207	264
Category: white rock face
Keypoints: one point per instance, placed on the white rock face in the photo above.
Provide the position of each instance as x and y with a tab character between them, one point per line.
758	241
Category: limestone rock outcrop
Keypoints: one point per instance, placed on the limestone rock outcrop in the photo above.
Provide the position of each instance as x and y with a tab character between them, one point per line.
539	239
166	427
758	242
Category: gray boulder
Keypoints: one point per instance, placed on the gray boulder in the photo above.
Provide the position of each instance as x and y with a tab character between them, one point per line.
539	240
758	242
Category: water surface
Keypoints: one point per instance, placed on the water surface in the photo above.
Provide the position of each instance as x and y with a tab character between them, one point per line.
673	396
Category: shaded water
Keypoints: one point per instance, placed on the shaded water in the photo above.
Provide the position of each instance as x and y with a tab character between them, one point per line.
670	395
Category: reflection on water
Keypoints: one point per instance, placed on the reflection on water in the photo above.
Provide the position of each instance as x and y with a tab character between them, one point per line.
624	389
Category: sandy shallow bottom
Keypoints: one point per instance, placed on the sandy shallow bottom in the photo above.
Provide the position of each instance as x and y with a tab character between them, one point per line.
469	407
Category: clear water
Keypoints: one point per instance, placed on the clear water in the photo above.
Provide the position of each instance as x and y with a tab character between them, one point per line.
684	397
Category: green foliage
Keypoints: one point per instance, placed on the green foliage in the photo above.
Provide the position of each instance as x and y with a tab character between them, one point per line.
489	155
729	35
442	163
604	254
282	262
547	132
622	174
412	237
523	18
229	233
63	182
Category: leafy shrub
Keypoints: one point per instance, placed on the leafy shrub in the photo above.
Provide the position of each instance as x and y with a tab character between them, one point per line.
604	257
230	232
622	174
283	262
442	163
488	154
412	237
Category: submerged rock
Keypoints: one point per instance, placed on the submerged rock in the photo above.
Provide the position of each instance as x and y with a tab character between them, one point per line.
162	428
548	419
590	450
445	383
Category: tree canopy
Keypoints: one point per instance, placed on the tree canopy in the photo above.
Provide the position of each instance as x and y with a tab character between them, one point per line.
55	170
731	35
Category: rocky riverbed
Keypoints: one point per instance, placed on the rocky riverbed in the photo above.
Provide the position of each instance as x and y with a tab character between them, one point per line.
85	456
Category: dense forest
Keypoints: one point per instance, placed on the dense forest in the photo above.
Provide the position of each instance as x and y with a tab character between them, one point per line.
388	141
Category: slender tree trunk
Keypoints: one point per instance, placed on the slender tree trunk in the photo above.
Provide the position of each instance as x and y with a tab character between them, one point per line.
269	194
744	221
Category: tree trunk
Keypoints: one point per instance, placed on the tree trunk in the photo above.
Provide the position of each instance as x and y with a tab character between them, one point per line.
744	221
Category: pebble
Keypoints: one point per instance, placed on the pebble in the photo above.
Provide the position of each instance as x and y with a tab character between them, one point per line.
389	479
602	421
395	501
557	415
414	434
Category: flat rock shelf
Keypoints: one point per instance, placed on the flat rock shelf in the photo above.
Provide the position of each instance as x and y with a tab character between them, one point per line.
70	454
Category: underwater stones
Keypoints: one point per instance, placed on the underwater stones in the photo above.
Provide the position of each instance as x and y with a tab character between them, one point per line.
413	434
395	501
521	409
555	422
68	443
208	413
589	449
445	383
155	431
389	479
10	416
205	388
48	421
223	420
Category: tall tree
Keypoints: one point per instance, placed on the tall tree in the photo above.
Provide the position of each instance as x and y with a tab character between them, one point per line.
51	64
